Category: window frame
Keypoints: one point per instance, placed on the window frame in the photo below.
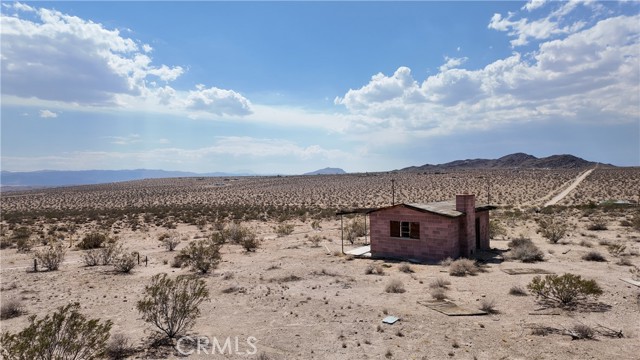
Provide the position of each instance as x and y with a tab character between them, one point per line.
406	230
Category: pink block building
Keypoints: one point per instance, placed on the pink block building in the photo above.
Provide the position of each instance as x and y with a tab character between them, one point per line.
430	232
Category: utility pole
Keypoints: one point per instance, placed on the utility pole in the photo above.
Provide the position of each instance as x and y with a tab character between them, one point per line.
393	192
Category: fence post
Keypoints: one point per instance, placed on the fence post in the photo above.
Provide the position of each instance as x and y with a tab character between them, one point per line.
138	258
35	265
146	260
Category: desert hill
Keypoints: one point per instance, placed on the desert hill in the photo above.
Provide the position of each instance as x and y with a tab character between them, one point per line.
517	160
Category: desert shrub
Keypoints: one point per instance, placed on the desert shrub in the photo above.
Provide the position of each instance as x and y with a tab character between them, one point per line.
552	229
374	269
5	243
11	308
394	286
92	257
635	221
67	334
125	262
172	306
202	255
110	252
355	229
564	290
92	240
496	229
250	242
488	306
234	232
597	224
517	291
284	229
617	250
524	250
581	331
51	257
315	225
462	267
593	256
585	243
179	261
170	240
446	262
440	283
405	268
438	293
118	347
315	240
23	244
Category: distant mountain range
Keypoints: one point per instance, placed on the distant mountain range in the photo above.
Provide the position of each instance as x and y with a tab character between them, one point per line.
47	178
88	177
326	171
517	160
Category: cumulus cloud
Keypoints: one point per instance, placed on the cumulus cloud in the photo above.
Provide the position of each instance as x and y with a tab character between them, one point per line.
452	62
534	4
48	114
52	56
590	75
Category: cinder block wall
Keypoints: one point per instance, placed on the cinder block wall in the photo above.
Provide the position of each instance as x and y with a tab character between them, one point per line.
438	235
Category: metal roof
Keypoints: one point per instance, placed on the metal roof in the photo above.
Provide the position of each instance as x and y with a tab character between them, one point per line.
445	208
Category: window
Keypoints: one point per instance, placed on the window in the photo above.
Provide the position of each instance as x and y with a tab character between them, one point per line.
404	229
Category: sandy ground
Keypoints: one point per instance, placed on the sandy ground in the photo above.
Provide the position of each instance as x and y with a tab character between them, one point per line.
335	311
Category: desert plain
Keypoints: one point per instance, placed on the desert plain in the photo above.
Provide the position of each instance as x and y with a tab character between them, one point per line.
297	296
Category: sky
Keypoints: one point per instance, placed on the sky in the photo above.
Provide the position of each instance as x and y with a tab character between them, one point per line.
291	87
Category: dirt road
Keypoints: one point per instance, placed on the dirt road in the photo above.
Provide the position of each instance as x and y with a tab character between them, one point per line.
570	188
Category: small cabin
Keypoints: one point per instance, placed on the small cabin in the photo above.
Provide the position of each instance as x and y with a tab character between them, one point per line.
430	232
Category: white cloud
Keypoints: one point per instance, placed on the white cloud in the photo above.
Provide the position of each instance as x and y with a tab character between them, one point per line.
534	4
125	140
452	62
589	76
554	24
48	114
51	56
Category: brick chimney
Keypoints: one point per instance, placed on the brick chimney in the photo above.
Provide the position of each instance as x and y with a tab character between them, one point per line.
466	203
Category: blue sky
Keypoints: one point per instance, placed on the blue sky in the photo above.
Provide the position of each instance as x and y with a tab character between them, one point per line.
290	87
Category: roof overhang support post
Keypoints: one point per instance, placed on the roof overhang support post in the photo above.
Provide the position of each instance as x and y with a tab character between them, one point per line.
342	234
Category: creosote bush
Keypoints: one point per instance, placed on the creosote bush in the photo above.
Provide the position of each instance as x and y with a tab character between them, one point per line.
125	262
51	257
564	290
374	269
517	291
284	229
67	334
496	229
405	268
92	240
118	347
202	255
172	305
552	229
597	224
170	240
250	242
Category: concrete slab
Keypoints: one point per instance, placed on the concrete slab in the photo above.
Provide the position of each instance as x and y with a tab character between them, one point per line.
523	271
360	251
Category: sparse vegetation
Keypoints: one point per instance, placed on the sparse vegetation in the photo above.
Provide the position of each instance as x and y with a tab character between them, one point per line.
125	262
119	347
496	229
51	257
170	240
552	229
11	308
438	293
66	334
517	291
488	306
92	240
598	224
564	290
394	286
463	267
439	283
374	269
405	268
202	255
172	305
593	256
524	250
284	229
